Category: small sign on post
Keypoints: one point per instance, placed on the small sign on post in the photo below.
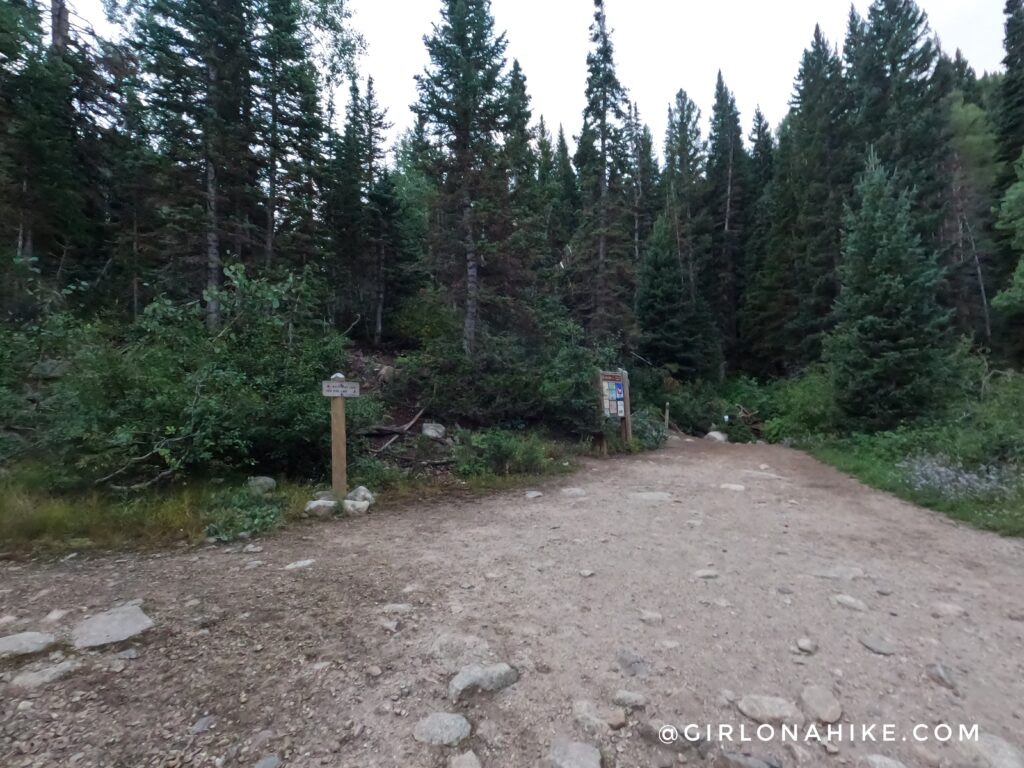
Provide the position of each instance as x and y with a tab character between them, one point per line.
337	389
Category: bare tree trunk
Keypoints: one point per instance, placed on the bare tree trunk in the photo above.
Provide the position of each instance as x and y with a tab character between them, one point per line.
59	25
472	279
378	325
214	268
268	237
981	280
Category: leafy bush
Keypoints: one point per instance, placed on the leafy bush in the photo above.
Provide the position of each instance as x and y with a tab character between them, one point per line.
501	452
803	407
165	397
232	513
649	429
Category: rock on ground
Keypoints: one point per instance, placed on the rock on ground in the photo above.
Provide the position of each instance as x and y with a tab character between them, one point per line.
735	760
262	485
770	709
321	508
433	430
362	493
879	761
270	761
355	508
565	753
876	643
820	704
25	644
112	626
631	662
848	601
465	760
442	729
993	752
298	565
629	699
475	677
28	681
718	437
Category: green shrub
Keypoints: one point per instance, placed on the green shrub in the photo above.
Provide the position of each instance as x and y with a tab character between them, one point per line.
803	407
649	429
501	452
232	513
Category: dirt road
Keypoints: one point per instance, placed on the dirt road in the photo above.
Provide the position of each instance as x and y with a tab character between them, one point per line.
686	576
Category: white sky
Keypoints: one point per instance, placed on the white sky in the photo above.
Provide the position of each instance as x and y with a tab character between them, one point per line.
660	47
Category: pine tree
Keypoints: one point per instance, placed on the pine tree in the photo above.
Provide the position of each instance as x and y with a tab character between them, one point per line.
464	100
603	270
727	174
642	180
888	348
1010	115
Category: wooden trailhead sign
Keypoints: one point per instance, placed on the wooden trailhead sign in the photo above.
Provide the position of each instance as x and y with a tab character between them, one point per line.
614	393
337	389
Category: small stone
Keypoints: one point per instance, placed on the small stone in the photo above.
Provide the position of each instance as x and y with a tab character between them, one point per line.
533	495
261	486
586	574
807	645
442	729
252	549
573	492
819	704
203	724
477	677
128	654
800	755
25	644
879	761
28	681
631	662
651	617
465	760
374	671
55	615
846	601
718	437
269	761
396	609
113	626
770	710
298	565
939	674
321	508
876	643
565	753
947	611
733	487
356	508
706	574
629	699
842	573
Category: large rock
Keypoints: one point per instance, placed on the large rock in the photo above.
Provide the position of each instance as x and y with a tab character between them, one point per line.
993	752
879	644
718	437
28	681
477	677
113	626
261	486
434	430
355	508
819	704
565	753
25	644
442	729
362	494
465	760
322	508
771	710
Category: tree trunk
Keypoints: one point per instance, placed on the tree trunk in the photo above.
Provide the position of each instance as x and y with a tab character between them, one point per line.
59	25
268	237
472	279
214	268
378	325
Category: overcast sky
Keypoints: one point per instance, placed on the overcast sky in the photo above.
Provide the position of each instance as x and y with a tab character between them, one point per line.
660	47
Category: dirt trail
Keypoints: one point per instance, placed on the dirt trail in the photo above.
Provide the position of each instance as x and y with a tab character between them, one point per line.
335	663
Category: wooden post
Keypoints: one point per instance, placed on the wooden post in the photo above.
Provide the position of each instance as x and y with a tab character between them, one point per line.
339	456
666	418
627	421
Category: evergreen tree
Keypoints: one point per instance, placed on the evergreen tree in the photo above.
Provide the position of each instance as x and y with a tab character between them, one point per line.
887	349
603	270
1010	115
727	174
464	101
642	180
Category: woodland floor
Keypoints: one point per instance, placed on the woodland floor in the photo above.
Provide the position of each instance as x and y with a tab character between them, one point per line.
333	664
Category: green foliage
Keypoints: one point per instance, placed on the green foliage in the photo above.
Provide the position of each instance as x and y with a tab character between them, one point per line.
502	452
232	513
804	407
649	428
888	347
165	398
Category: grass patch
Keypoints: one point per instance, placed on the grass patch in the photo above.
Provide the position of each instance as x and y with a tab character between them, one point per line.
1001	511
